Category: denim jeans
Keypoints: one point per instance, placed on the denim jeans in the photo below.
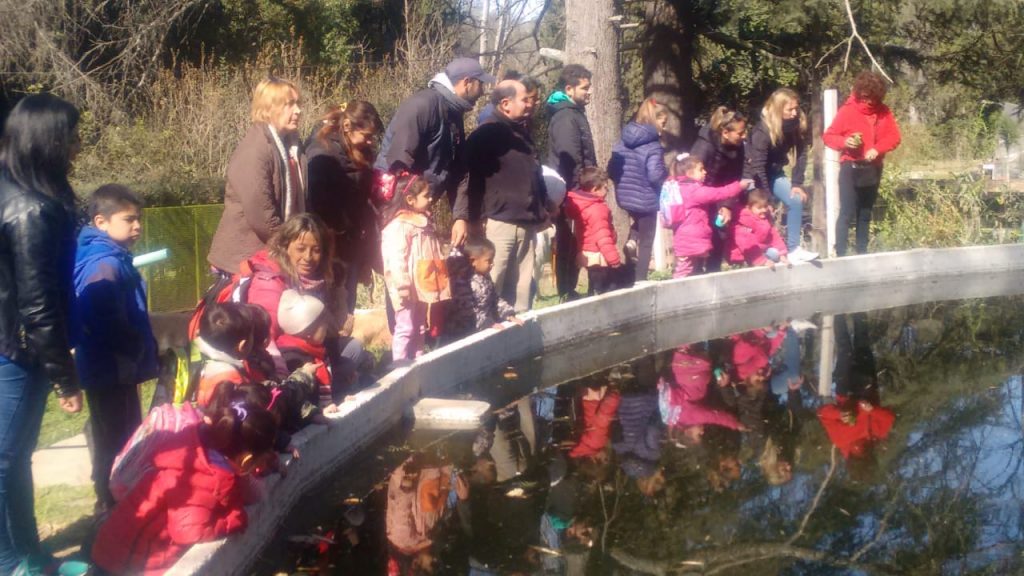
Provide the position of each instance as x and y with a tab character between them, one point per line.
783	190
643	228
855	203
772	254
22	402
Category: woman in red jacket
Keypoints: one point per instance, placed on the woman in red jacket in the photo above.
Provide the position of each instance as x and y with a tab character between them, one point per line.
864	130
595	235
195	491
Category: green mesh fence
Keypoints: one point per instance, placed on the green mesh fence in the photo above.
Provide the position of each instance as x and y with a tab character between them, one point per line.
186	231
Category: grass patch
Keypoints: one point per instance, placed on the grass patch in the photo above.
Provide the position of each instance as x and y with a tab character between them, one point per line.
59	425
64	515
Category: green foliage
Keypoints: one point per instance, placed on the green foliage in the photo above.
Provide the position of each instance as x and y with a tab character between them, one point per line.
936	214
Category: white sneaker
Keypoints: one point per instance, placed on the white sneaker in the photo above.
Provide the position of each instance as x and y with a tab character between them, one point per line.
800	326
800	255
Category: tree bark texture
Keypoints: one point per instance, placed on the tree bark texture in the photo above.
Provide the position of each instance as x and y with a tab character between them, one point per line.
593	41
669	50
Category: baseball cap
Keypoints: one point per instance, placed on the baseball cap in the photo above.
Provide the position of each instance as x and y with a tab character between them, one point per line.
467	68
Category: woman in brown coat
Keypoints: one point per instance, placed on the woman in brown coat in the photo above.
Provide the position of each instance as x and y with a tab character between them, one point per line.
265	183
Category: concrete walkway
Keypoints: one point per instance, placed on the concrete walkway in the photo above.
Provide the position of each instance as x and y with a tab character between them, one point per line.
66	462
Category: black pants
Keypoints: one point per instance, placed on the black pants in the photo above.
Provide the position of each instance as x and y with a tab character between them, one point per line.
605	279
114	414
855	202
567	274
643	229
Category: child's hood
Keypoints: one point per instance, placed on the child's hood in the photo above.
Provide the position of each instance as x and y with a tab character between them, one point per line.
635	135
184	451
584	199
416	219
94	245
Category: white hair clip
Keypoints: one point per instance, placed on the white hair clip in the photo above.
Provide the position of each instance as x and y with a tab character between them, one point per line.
682	156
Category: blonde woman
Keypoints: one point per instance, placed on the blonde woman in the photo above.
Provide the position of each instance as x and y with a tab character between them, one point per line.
265	183
778	141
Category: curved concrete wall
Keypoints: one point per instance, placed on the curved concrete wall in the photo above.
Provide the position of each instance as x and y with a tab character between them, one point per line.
701	307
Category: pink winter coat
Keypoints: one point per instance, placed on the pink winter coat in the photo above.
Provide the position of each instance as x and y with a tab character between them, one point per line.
684	398
686	209
752	351
752	236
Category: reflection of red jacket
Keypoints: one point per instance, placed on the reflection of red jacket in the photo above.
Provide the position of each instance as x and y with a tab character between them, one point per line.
597	424
752	351
876	125
593	219
869	427
752	236
687	395
185	500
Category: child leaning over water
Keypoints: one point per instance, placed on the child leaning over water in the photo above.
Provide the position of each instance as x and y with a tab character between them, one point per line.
475	303
686	208
115	348
755	239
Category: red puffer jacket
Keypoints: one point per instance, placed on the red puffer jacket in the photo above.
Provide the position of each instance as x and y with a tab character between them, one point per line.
598	415
869	428
594	218
753	235
186	499
876	124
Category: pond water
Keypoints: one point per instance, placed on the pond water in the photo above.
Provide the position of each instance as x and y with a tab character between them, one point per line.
714	457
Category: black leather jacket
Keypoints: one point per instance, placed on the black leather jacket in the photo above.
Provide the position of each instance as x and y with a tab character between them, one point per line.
37	258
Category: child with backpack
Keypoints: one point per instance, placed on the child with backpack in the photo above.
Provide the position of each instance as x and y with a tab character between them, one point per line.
195	492
115	347
595	236
686	205
415	273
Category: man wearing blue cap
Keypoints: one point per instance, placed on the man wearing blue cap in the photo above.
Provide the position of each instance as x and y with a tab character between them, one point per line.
426	134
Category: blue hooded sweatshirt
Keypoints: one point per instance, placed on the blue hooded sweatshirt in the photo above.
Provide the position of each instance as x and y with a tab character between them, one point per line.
114	343
637	167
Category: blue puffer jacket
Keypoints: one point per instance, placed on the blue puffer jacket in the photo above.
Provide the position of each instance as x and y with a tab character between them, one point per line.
637	167
110	324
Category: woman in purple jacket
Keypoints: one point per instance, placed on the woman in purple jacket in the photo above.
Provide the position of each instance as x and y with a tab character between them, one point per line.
637	167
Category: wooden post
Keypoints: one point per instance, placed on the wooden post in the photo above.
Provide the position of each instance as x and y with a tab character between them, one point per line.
826	360
831	98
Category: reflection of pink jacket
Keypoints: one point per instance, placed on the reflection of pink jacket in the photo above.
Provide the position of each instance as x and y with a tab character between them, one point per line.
683	398
752	351
752	236
685	210
597	424
412	514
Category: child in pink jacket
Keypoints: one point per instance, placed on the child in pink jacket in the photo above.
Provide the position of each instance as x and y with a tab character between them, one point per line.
755	239
686	205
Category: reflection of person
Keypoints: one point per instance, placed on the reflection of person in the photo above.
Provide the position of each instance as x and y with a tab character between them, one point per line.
857	422
683	396
265	185
40	141
864	130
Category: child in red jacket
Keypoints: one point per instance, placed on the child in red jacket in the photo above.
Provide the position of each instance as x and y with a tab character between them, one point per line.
755	239
195	492
595	235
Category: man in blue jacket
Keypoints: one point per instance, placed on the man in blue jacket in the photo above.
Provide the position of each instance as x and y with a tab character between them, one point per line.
115	350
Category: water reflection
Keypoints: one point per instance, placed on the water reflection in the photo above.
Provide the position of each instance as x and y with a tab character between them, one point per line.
721	457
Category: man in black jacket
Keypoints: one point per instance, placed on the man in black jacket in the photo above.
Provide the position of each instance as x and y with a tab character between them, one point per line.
570	149
426	134
503	191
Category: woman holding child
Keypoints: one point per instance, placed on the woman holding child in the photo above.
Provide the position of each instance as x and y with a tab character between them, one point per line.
265	185
37	255
719	147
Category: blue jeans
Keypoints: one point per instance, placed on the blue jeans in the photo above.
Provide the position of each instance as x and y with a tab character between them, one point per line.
783	190
22	402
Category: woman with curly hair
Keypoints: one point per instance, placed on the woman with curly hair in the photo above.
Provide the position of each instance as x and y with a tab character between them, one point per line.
864	130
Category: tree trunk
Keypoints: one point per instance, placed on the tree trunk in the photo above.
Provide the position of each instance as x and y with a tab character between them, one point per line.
593	41
670	46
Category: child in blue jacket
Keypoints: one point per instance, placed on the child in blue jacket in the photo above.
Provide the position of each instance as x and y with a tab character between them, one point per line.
115	348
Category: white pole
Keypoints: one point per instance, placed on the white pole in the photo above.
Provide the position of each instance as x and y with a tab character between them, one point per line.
826	362
831	176
659	247
483	30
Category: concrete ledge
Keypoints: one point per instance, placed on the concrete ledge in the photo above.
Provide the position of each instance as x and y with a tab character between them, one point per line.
712	305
